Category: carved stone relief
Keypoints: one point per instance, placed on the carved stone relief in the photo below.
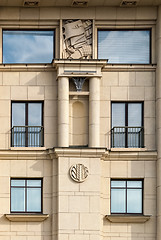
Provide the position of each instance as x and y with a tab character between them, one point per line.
78	172
77	39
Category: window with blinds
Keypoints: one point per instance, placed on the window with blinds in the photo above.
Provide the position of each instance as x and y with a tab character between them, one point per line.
124	46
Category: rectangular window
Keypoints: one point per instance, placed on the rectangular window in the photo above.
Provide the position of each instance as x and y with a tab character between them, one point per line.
124	46
126	196
28	46
26	195
127	125
27	124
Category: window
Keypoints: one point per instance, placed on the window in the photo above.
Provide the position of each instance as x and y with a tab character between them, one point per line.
26	195
27	124
124	46
127	125
127	196
28	46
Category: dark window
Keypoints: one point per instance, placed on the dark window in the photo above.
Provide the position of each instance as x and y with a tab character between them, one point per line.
127	125
127	196
27	124
26	195
124	46
28	46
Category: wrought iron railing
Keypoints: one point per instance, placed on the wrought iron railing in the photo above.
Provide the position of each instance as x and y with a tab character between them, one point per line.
27	136
127	137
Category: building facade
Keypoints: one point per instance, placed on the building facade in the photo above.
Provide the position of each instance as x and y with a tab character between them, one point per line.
80	120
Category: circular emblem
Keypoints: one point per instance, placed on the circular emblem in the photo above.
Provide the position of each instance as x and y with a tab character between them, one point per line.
78	172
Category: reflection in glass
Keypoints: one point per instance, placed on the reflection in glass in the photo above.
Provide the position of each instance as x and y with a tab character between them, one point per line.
17	199
118	200
118	184
124	46
134	184
134	200
34	200
34	183
24	46
17	182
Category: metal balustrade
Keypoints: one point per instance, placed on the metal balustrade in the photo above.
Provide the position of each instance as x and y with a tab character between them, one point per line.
27	136
127	137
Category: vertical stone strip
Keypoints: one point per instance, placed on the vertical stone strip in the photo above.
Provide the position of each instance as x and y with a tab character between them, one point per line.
158	120
94	112
63	112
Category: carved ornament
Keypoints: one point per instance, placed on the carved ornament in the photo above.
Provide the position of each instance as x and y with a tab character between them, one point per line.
78	172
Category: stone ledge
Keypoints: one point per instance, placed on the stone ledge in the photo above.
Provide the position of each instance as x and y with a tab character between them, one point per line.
121	218
26	217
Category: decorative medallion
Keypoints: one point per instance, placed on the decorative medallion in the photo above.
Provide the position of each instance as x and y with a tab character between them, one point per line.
78	172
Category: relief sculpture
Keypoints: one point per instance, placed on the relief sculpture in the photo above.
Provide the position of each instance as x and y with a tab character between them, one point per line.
77	39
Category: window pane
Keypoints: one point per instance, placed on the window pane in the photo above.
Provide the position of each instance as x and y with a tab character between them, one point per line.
118	200
134	200
18	182
18	199
118	114
134	114
28	46
124	46
35	183
134	184
34	200
118	184
35	114
18	114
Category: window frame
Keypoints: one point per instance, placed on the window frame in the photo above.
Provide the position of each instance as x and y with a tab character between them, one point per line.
26	179
129	29
126	115
31	29
142	202
26	114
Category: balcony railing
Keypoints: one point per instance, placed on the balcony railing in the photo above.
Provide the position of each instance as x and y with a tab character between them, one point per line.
127	137
27	136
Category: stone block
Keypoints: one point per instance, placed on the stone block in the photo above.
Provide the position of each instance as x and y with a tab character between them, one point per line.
136	169
78	204
119	93
4	92
28	78
18	93
18	168
36	93
110	79
127	78
89	221
68	221
136	93
11	78
119	169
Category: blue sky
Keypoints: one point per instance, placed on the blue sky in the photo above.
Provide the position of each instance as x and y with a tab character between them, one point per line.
28	46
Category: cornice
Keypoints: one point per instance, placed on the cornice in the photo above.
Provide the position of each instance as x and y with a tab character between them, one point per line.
77	152
130	155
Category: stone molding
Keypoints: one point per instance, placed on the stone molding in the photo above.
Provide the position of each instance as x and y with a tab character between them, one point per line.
130	156
26	217
127	218
77	152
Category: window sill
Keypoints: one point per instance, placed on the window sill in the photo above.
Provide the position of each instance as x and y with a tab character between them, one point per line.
121	218
28	148
26	217
128	149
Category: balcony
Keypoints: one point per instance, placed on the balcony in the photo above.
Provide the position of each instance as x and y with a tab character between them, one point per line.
127	137
27	136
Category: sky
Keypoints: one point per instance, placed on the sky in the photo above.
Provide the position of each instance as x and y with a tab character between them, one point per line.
28	46
124	46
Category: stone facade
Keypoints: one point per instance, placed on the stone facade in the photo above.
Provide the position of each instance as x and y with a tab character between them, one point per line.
77	129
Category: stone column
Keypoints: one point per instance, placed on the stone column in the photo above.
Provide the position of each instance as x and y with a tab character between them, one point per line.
94	112
158	120
63	112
